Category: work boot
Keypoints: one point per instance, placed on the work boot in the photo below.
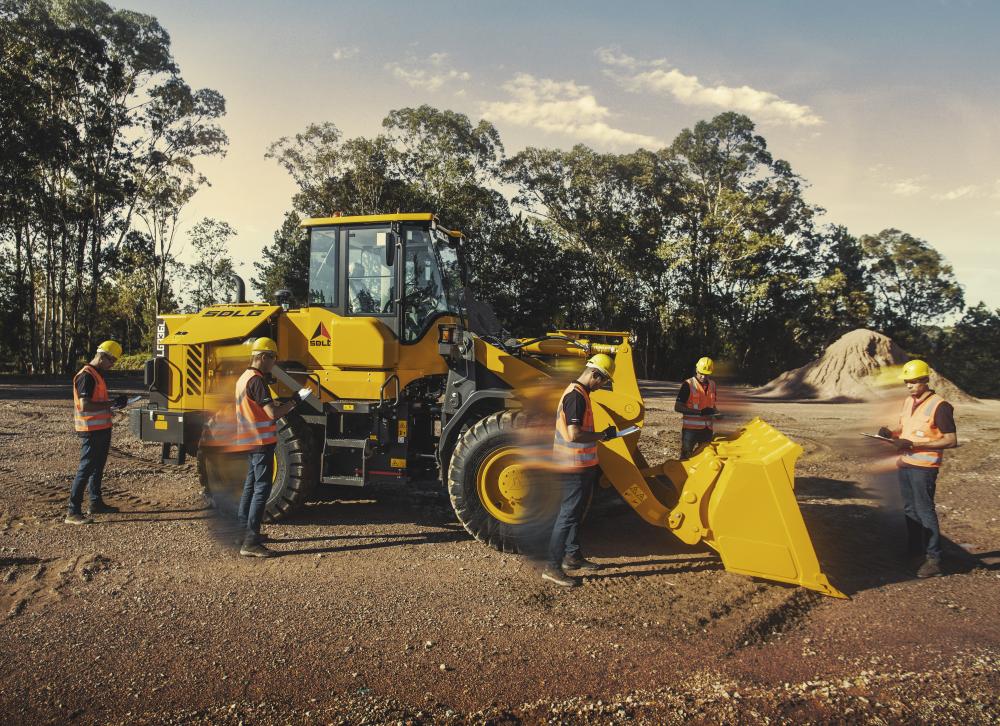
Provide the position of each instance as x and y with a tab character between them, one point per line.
243	537
255	549
930	568
100	507
557	576
580	563
77	518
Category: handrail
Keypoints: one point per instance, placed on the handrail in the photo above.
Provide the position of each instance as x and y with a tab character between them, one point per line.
381	391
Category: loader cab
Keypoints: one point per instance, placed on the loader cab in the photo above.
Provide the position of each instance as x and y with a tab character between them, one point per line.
403	269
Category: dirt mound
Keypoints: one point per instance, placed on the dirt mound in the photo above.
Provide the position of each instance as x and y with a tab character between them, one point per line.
849	370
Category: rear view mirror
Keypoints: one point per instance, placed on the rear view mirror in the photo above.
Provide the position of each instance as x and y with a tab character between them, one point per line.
387	241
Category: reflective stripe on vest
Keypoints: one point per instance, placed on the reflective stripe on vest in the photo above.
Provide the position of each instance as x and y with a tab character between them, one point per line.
699	398
572	454
254	428
916	424
220	430
86	421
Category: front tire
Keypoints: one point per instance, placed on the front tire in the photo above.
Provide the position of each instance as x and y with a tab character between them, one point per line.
499	497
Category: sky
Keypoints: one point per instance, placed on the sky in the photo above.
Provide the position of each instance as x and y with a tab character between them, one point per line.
889	110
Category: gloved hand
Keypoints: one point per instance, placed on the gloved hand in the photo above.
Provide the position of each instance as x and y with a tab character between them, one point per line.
708	411
301	395
885	432
902	444
120	401
609	433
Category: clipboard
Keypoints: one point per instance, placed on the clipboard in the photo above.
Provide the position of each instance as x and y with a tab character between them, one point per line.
129	402
877	437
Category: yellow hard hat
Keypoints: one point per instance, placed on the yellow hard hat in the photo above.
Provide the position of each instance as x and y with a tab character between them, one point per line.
110	347
915	369
264	345
705	366
603	363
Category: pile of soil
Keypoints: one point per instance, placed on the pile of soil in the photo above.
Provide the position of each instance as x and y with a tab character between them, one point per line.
849	370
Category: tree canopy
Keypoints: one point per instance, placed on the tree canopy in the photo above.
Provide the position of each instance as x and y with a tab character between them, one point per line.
99	128
707	246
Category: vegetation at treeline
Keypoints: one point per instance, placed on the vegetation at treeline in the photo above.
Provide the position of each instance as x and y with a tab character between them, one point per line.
707	246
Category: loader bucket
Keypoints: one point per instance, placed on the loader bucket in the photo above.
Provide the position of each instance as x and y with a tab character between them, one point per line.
737	494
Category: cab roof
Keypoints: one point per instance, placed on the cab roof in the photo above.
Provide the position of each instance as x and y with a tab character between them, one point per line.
377	219
368	219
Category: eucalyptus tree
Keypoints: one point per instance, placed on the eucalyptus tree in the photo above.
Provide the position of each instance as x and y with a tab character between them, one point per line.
98	109
742	247
911	281
209	278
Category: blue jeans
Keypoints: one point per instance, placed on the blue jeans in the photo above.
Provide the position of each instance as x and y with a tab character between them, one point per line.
917	484
94	447
690	438
576	489
256	490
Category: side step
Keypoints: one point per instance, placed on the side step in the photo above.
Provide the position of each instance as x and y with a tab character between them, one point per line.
340	464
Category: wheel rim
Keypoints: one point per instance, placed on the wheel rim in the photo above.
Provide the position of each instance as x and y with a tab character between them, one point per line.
502	485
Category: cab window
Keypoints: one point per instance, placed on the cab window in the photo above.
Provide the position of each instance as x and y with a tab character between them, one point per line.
425	289
370	288
323	267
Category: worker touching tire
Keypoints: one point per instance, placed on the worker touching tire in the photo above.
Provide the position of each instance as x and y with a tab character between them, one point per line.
696	400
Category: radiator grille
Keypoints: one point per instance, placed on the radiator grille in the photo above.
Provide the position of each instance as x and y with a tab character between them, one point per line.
195	370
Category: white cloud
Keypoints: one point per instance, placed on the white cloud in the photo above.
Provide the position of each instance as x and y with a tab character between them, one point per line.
430	74
614	57
918	186
344	53
906	187
970	191
564	107
656	77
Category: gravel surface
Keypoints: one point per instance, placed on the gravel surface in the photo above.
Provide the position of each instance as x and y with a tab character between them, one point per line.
380	608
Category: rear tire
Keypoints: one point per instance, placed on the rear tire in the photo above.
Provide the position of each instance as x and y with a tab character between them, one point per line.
492	444
295	471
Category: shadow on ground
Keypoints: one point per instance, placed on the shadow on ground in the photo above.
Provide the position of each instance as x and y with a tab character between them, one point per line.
862	545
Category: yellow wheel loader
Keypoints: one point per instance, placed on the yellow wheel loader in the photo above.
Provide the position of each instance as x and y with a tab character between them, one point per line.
413	380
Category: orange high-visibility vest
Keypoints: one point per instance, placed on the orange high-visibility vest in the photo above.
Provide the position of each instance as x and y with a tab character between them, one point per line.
87	421
571	454
220	429
700	397
916	424
254	428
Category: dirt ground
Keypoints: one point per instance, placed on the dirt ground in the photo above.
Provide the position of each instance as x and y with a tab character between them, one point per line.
381	609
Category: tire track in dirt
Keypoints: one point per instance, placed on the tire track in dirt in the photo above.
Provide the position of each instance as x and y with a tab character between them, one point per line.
33	583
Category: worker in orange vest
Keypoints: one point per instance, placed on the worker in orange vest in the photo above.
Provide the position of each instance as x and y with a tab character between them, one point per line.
575	450
256	433
92	412
696	400
925	429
